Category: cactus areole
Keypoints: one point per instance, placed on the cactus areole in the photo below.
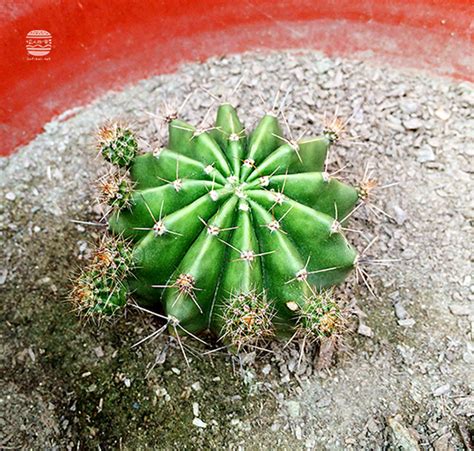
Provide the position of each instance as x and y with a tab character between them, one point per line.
235	233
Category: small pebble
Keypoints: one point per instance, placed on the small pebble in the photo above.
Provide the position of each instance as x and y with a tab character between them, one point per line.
442	390
365	330
461	310
32	355
409	106
409	253
409	322
3	275
412	123
99	352
275	427
400	311
468	357
442	114
425	154
10	196
322	66
199	423
399	214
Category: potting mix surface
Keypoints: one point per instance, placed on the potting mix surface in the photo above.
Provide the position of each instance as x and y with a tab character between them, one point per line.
401	373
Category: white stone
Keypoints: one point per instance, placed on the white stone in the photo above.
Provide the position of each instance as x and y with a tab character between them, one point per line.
442	390
199	423
365	330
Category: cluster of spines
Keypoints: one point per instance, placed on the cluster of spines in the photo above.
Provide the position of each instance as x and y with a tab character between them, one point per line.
115	190
247	319
117	144
320	316
101	287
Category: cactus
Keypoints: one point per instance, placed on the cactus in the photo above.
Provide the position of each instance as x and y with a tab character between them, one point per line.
101	287
223	231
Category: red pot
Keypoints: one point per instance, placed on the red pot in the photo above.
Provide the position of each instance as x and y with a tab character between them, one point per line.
98	45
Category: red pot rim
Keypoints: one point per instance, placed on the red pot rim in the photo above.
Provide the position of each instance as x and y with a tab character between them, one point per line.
98	46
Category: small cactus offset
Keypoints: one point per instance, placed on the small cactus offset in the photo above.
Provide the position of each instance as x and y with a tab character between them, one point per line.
221	230
101	288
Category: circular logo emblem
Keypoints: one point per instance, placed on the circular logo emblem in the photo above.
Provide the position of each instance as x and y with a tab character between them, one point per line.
38	42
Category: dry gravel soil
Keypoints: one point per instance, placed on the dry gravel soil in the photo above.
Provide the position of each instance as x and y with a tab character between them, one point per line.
401	377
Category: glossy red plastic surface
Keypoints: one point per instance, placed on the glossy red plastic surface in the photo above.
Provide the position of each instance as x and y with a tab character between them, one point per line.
102	45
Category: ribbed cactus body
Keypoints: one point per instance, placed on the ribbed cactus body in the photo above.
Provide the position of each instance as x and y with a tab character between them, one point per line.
232	232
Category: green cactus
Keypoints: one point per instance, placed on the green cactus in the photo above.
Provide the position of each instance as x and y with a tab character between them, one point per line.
223	231
101	288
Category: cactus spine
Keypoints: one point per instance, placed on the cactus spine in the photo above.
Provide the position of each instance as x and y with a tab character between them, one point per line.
223	231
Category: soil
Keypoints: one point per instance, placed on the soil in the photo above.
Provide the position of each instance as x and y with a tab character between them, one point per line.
401	377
